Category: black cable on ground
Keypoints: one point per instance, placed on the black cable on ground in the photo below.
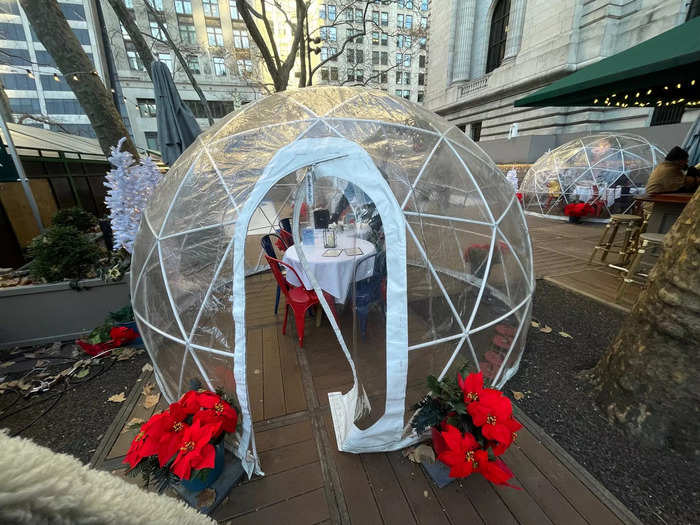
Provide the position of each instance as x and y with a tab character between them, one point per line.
46	411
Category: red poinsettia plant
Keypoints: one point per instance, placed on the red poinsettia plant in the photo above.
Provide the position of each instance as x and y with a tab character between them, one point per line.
179	442
471	426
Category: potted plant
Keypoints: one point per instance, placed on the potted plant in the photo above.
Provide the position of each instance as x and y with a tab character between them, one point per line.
184	443
119	329
471	427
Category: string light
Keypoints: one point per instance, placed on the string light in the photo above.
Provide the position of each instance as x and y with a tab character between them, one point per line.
637	94
55	77
678	86
75	77
29	73
595	101
649	92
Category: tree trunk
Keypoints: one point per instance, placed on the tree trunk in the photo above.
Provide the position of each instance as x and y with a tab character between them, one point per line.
648	380
142	49
181	59
5	109
51	27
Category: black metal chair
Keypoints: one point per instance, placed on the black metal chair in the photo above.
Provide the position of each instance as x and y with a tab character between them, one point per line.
269	248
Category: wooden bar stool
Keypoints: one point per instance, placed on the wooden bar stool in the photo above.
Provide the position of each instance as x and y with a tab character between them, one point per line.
607	243
651	245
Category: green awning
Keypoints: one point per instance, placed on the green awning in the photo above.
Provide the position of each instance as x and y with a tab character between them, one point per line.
662	69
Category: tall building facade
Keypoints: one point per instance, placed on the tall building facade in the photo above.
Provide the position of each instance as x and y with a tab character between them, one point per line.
38	93
392	55
214	41
488	53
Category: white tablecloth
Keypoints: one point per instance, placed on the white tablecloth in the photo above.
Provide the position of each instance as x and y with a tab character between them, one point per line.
334	274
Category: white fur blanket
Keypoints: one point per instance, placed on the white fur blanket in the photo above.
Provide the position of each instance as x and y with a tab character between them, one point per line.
38	486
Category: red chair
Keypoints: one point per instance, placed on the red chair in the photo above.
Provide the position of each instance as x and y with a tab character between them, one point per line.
297	297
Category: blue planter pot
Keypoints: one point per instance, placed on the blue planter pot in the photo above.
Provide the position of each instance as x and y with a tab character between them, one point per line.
197	483
132	324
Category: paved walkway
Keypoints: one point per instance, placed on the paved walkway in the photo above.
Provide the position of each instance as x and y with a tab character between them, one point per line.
561	251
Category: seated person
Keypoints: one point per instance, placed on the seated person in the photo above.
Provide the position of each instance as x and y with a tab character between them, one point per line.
673	174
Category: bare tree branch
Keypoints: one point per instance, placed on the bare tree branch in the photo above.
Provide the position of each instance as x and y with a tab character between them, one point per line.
127	20
185	66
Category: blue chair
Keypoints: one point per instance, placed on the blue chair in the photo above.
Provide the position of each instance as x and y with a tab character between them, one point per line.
369	291
267	245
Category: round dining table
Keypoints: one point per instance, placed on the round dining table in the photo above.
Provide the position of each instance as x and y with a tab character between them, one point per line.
334	274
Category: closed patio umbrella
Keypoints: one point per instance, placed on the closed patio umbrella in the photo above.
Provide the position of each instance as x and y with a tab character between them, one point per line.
177	127
691	144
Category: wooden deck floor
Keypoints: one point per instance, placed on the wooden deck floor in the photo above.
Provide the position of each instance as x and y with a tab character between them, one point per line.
308	481
561	252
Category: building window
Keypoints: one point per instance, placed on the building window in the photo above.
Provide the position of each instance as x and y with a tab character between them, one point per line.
359	15
331	12
332	34
375	38
188	34
421	79
21	81
152	140
167	59
157	4
235	15
240	39
424	5
421	95
219	67
147	107
475	131
324	74
375	17
405	93
155	30
421	61
385	39
349	17
134	61
62	106
25	105
350	55
385	58
424	22
385	19
324	54
375	58
399	41
667	115
399	21
10	31
422	42
398	77
408	24
407	78
125	35
351	76
498	35
359	56
183	7
360	75
333	52
322	12
244	66
215	36
405	59
193	63
73	12
211	8
334	73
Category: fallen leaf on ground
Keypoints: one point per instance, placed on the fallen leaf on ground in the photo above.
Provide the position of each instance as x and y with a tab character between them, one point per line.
31	355
7	364
124	353
517	395
117	398
546	329
134	422
534	324
82	372
206	498
41	363
148	389
422	454
564	334
151	400
147	368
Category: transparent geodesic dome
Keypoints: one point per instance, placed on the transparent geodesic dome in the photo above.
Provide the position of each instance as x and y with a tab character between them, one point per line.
605	170
432	221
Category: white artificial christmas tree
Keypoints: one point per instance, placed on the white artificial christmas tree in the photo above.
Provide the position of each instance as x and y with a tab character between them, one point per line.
130	185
